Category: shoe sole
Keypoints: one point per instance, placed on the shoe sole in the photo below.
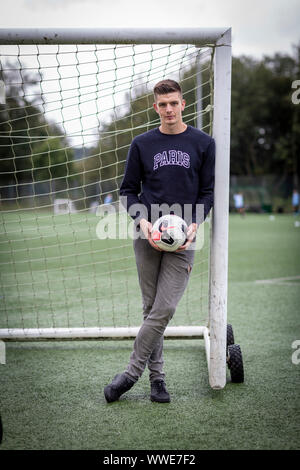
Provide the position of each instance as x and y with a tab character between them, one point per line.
167	400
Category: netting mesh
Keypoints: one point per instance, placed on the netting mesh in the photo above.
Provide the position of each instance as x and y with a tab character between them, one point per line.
67	117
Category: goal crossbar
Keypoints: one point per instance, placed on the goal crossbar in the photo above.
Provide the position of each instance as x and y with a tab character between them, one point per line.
197	36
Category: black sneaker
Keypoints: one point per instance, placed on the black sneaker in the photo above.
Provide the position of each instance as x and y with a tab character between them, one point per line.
159	392
120	384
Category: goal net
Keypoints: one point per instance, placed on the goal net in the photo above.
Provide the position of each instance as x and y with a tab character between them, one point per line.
68	113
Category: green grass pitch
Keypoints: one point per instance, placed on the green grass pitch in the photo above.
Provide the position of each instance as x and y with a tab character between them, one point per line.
56	272
51	394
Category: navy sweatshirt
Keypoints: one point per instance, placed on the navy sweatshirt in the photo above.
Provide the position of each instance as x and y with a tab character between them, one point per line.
170	168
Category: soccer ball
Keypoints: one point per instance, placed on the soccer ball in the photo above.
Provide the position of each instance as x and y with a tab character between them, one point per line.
169	232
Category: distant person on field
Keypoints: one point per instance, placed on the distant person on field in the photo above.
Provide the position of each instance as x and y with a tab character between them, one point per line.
295	201
239	203
108	199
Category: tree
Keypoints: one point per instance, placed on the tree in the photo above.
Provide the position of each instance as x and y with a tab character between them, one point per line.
30	152
265	123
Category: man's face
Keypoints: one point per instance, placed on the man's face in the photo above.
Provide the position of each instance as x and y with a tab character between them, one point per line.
170	107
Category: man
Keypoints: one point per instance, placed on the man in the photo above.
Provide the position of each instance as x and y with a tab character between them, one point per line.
239	203
170	165
295	201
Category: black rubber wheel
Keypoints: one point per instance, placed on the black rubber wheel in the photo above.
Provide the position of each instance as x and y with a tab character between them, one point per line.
235	363
230	337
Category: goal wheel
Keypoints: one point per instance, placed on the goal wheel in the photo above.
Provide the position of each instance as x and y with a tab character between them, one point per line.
230	337
235	363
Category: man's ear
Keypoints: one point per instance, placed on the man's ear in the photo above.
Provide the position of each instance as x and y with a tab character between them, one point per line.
183	105
155	107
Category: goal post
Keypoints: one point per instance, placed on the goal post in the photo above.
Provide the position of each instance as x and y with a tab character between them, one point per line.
220	213
71	102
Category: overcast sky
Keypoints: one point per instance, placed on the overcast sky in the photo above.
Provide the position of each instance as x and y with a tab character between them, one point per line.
259	26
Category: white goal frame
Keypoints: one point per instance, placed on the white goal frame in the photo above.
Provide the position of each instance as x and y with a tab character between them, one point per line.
214	334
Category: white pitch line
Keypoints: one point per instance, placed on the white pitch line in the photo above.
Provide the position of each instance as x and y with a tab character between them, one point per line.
280	280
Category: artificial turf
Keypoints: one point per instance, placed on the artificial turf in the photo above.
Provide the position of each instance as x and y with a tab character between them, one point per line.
52	393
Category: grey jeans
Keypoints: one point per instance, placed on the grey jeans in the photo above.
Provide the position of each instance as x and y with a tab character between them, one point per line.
163	277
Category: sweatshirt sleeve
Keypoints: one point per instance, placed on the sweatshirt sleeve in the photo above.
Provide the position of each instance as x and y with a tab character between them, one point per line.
206	184
131	184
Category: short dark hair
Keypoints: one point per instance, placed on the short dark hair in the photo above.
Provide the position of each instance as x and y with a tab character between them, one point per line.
166	86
